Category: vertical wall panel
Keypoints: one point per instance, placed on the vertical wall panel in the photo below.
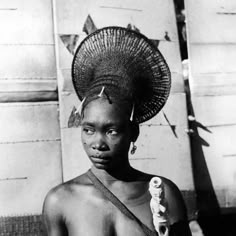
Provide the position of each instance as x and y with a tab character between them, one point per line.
30	146
30	161
212	51
27	50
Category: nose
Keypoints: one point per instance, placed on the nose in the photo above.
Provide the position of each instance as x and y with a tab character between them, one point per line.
99	143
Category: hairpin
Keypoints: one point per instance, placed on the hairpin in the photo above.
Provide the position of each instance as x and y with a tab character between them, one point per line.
79	108
132	113
101	93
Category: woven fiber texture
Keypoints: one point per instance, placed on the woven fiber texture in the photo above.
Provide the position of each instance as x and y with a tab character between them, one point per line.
128	65
30	225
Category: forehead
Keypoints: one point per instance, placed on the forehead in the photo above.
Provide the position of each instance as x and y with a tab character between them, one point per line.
101	110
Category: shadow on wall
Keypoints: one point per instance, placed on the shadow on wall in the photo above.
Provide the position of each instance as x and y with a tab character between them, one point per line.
209	217
206	198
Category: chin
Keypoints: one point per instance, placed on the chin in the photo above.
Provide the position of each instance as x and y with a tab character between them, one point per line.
101	166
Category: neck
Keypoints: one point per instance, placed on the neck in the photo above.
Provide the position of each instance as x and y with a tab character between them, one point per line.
126	173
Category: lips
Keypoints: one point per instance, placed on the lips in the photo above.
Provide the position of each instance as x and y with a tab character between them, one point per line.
100	159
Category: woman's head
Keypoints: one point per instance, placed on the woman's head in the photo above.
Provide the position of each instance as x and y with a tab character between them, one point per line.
107	132
122	80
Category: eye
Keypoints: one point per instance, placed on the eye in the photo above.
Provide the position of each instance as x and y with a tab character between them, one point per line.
88	131
112	132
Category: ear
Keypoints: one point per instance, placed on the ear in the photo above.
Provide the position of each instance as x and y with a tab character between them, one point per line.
134	131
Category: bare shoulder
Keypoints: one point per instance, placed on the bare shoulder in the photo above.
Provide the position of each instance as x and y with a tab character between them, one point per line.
175	202
58	201
59	196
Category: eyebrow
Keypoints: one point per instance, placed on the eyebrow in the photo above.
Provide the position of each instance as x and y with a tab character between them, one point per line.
87	123
107	124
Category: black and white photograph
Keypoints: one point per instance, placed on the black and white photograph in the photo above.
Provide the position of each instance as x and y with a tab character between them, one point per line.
117	118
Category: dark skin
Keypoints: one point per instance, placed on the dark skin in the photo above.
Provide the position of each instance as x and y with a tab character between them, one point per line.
77	208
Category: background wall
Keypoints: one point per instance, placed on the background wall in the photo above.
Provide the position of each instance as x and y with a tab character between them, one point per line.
212	56
30	146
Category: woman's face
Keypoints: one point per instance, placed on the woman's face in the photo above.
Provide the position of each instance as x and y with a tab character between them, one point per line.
106	134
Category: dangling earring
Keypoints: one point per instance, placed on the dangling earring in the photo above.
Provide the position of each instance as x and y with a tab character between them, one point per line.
133	149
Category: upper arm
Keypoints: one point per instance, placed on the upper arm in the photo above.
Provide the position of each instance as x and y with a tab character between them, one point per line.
52	215
177	210
176	206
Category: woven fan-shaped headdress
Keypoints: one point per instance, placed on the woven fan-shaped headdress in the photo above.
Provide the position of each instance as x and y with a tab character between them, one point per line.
127	64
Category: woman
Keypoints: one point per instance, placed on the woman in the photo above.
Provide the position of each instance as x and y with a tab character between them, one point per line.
122	80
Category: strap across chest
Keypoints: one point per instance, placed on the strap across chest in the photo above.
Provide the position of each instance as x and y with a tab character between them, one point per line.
116	202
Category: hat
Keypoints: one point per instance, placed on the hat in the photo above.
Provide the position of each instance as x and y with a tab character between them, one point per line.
127	64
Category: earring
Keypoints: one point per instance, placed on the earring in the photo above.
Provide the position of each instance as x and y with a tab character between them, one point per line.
133	149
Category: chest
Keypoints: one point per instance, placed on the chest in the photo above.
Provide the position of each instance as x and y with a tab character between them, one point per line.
102	218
